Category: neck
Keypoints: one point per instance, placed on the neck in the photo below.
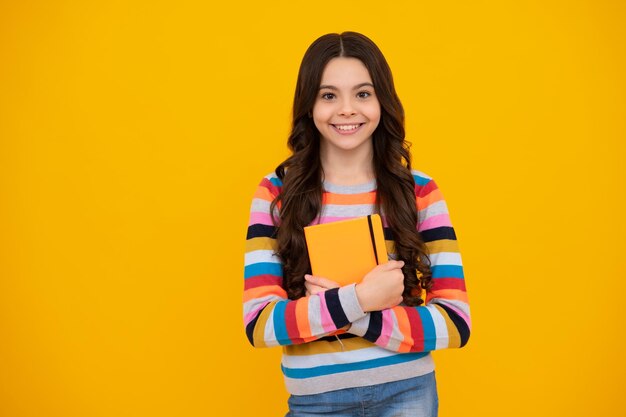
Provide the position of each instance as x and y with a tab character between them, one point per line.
348	167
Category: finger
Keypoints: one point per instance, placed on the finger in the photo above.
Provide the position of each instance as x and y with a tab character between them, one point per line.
309	286
317	289
391	265
313	289
322	282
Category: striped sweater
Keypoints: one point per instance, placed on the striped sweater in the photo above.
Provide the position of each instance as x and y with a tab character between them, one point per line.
380	346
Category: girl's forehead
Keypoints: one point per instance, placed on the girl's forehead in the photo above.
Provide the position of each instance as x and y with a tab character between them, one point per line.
345	71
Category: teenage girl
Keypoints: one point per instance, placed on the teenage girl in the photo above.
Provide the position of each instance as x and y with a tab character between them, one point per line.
361	349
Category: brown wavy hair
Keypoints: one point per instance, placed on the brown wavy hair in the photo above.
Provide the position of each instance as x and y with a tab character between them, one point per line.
300	200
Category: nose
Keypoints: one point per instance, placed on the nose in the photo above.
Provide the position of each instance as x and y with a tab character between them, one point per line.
347	108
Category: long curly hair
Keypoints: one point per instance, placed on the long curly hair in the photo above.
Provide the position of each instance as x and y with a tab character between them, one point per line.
300	200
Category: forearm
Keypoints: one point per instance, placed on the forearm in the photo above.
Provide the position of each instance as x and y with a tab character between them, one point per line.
280	321
439	325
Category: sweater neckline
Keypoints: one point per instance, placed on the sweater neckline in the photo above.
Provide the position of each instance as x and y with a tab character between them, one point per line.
350	189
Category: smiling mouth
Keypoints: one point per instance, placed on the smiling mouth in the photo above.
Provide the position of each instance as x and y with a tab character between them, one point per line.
348	128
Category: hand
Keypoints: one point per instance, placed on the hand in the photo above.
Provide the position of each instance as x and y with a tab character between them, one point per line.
382	287
315	285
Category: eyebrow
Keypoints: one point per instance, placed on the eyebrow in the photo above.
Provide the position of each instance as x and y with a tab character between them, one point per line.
356	87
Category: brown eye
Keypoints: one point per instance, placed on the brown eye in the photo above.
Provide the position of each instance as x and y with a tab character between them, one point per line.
363	94
328	96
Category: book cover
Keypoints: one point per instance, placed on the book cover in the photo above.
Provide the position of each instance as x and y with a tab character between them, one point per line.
346	250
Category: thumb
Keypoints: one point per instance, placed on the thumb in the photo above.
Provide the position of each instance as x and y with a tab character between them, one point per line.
391	265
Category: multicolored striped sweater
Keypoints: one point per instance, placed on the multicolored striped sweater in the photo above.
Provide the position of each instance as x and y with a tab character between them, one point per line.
380	346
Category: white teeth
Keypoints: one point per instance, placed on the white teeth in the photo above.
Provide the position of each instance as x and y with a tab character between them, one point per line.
346	127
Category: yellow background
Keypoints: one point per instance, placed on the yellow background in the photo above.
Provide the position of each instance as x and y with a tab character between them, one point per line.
132	136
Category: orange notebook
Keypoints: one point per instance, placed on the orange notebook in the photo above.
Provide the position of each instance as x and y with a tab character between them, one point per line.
345	251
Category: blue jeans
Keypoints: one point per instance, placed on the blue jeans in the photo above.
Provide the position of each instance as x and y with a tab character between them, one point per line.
414	397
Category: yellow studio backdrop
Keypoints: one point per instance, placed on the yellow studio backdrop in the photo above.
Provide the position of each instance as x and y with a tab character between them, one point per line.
133	134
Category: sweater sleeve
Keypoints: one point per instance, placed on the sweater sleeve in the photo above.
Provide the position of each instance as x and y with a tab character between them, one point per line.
270	318
444	320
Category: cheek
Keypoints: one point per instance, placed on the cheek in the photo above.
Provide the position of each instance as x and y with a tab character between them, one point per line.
371	109
321	116
373	113
317	122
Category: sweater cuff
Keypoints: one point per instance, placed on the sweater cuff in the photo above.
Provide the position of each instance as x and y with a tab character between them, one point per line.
350	303
359	327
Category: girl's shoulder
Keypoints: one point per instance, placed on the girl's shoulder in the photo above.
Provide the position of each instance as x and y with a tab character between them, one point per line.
421	179
273	178
272	183
425	187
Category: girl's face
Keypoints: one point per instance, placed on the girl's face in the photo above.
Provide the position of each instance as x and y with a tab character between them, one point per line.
346	111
